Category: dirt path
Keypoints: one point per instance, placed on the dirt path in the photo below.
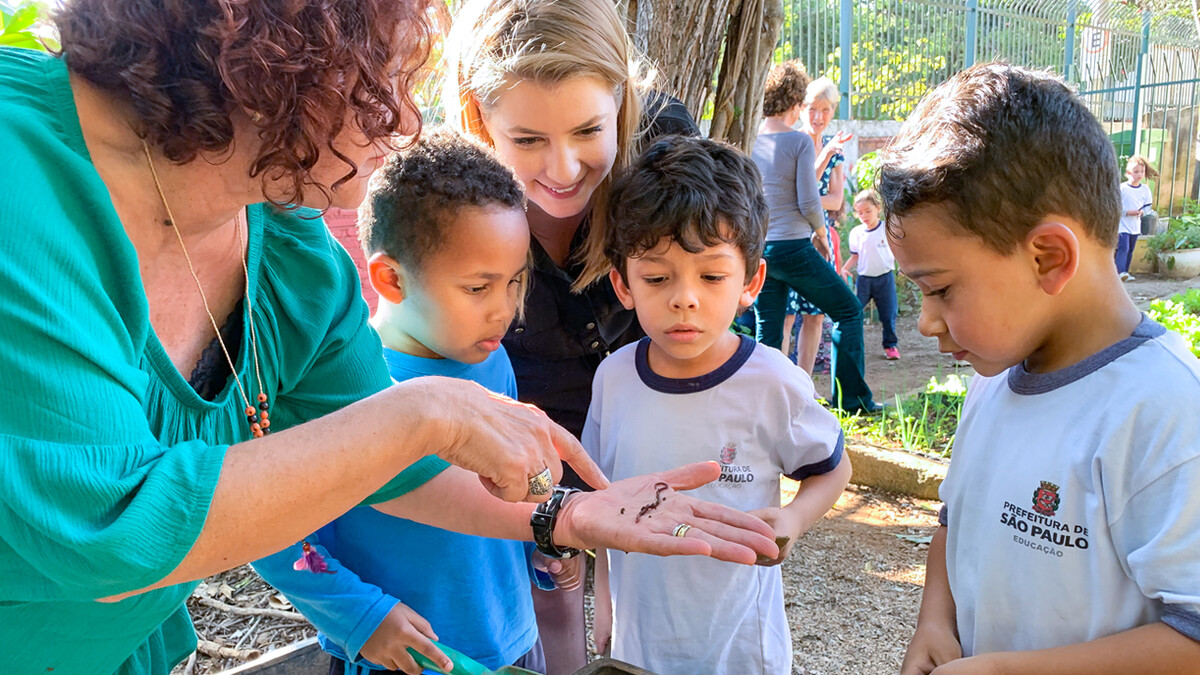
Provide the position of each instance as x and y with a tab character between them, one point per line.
853	587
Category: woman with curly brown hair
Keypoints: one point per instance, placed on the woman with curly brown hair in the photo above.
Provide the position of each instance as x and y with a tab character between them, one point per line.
798	250
172	298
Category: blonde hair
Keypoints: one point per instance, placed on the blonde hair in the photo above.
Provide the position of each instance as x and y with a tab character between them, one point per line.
822	87
547	42
1151	172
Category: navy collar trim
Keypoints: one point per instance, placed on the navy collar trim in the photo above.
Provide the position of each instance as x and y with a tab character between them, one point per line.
691	385
1021	381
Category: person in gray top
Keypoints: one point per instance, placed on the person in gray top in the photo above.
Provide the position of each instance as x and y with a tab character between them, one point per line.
796	259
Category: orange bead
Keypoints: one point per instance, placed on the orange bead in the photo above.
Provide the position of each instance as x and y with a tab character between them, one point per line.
263	414
258	434
262	398
266	424
249	411
255	428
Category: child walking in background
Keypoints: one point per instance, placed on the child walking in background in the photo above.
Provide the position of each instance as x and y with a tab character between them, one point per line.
1070	538
1135	199
872	258
685	239
445	233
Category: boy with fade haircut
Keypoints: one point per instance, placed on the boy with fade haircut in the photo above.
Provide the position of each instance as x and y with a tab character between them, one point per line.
1070	537
447	242
685	240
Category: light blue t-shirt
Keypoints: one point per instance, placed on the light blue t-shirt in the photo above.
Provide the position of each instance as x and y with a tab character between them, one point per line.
474	591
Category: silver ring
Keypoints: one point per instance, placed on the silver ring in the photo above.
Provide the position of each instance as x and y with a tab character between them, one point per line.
540	484
681	530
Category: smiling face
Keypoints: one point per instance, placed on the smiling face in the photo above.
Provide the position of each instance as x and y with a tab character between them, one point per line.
459	305
686	302
560	140
980	305
818	114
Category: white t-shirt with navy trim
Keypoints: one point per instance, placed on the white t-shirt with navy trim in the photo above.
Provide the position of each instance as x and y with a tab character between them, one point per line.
1073	499
758	417
1132	197
875	257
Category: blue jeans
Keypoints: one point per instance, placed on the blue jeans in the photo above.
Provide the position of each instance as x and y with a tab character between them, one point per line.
881	289
796	264
1125	251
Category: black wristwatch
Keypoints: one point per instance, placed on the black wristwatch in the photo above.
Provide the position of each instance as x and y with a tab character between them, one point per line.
542	521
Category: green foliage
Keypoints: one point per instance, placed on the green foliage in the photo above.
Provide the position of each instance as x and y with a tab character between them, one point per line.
866	170
1180	314
1183	232
23	25
923	422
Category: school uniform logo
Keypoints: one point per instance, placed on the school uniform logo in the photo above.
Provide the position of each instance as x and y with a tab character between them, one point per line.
732	475
1039	530
1046	499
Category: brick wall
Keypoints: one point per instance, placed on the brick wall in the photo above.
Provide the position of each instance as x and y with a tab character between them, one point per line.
343	225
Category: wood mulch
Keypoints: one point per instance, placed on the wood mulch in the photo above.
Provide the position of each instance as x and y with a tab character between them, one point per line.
852	589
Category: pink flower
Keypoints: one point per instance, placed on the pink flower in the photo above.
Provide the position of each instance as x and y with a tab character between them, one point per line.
312	561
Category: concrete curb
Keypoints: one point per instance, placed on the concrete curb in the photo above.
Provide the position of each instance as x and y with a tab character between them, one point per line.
895	471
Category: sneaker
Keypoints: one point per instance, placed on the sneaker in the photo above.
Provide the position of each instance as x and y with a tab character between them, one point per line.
891	353
1129	277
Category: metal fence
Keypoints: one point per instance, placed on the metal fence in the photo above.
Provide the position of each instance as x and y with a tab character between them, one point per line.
1136	71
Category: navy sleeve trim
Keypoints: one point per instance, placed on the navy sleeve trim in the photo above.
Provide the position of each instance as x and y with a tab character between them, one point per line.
943	517
1182	620
824	466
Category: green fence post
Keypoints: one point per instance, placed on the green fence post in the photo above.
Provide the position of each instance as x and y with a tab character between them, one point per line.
1069	56
847	17
1137	85
972	25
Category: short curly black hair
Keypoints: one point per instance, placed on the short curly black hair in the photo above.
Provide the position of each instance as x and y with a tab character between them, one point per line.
696	192
786	87
416	195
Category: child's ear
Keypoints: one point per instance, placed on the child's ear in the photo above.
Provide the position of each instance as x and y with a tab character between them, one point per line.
386	277
1054	249
621	288
753	285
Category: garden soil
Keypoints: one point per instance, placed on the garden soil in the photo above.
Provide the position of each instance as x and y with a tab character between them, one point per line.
852	584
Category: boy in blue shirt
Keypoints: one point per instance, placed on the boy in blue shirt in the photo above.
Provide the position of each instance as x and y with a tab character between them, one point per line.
685	237
1071	531
445	232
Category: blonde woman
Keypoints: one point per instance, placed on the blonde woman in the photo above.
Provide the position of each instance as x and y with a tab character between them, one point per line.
556	89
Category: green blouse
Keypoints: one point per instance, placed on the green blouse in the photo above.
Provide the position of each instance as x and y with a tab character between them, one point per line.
108	458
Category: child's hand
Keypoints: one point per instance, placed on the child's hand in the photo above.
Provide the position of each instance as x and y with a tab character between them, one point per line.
930	649
787	531
566	573
602	627
984	664
403	628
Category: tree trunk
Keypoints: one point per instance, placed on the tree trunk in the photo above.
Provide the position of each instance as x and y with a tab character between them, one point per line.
684	41
749	46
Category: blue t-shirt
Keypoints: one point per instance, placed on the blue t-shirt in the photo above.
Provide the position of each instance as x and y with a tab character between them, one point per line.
474	591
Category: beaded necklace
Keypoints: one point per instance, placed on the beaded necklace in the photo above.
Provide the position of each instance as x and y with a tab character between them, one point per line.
258	417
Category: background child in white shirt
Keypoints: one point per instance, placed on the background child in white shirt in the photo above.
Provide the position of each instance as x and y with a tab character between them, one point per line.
872	258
